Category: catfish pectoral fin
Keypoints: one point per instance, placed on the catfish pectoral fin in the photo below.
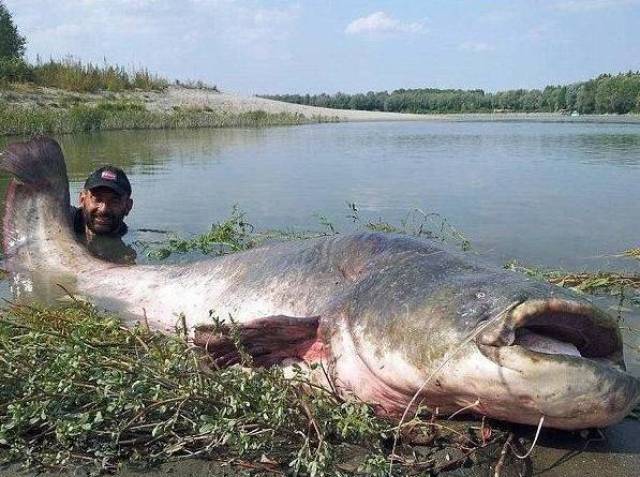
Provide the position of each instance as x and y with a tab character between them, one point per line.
268	341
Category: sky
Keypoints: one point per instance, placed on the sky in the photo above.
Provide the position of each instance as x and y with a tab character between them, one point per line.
313	46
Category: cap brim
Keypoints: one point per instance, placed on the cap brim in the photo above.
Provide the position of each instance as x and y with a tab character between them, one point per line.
110	185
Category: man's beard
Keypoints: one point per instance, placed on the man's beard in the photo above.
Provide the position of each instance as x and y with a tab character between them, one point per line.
102	224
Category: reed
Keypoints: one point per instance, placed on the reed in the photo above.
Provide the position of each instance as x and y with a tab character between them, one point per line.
115	115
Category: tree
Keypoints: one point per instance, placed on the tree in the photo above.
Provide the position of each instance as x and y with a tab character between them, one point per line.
11	42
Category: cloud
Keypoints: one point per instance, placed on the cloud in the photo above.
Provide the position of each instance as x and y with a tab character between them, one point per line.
382	23
131	30
590	5
476	46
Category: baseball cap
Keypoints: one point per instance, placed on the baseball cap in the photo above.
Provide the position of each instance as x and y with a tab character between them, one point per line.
109	176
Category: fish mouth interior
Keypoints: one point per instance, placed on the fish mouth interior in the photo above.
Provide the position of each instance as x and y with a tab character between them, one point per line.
559	327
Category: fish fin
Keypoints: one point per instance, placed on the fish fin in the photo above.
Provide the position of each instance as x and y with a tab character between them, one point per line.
267	341
37	205
38	163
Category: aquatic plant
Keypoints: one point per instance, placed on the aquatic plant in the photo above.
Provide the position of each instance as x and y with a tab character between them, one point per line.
235	234
231	235
417	223
587	282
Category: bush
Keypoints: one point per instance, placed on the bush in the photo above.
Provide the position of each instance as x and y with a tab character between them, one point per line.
15	70
73	75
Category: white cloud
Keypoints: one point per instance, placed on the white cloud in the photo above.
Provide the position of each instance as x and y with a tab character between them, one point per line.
382	23
476	46
135	30
590	5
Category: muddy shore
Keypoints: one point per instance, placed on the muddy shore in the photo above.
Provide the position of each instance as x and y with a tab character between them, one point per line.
614	451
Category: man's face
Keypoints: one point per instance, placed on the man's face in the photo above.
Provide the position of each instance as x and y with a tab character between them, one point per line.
104	210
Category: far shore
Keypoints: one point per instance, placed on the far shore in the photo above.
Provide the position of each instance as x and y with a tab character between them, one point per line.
175	96
27	109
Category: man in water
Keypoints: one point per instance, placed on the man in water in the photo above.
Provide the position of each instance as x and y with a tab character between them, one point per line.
104	202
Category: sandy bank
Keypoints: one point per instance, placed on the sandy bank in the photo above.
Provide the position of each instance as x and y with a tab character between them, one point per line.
180	97
237	103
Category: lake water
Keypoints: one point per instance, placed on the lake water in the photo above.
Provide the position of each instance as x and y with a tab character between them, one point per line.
547	194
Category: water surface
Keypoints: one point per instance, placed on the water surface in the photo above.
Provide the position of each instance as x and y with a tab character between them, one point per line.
547	194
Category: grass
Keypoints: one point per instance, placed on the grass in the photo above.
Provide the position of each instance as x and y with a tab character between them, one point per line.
118	115
89	97
78	388
73	75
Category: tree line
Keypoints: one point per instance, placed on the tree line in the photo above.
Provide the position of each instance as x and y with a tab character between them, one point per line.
606	94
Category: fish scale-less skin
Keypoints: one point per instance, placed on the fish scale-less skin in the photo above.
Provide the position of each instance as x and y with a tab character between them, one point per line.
389	317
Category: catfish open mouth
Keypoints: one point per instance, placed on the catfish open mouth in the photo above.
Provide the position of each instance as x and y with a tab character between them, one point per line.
557	327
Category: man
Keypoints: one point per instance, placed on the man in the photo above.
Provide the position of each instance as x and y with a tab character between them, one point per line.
104	202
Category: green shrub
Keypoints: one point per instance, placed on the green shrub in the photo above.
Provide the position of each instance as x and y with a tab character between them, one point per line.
15	70
74	75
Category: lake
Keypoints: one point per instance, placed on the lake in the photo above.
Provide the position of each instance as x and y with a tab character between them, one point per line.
546	194
559	195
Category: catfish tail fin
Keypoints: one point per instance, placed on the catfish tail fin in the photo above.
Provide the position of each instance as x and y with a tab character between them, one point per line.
37	229
39	165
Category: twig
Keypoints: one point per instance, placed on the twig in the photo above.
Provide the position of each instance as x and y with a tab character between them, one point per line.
470	406
146	320
503	455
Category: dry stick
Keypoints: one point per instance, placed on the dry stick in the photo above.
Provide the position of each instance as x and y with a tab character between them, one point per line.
185	330
470	406
313	422
503	456
439	368
75	300
146	320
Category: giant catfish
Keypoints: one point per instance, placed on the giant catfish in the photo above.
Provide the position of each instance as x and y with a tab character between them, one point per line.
396	321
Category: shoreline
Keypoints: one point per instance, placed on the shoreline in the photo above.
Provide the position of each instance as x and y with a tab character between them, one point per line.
231	102
28	109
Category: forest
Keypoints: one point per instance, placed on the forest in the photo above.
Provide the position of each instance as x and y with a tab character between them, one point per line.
606	94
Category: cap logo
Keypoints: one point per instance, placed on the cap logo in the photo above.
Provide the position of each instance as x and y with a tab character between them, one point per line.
108	175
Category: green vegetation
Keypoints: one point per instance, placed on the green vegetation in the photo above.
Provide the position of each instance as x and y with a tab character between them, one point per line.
116	115
67	74
231	235
605	94
235	234
78	388
11	42
73	75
